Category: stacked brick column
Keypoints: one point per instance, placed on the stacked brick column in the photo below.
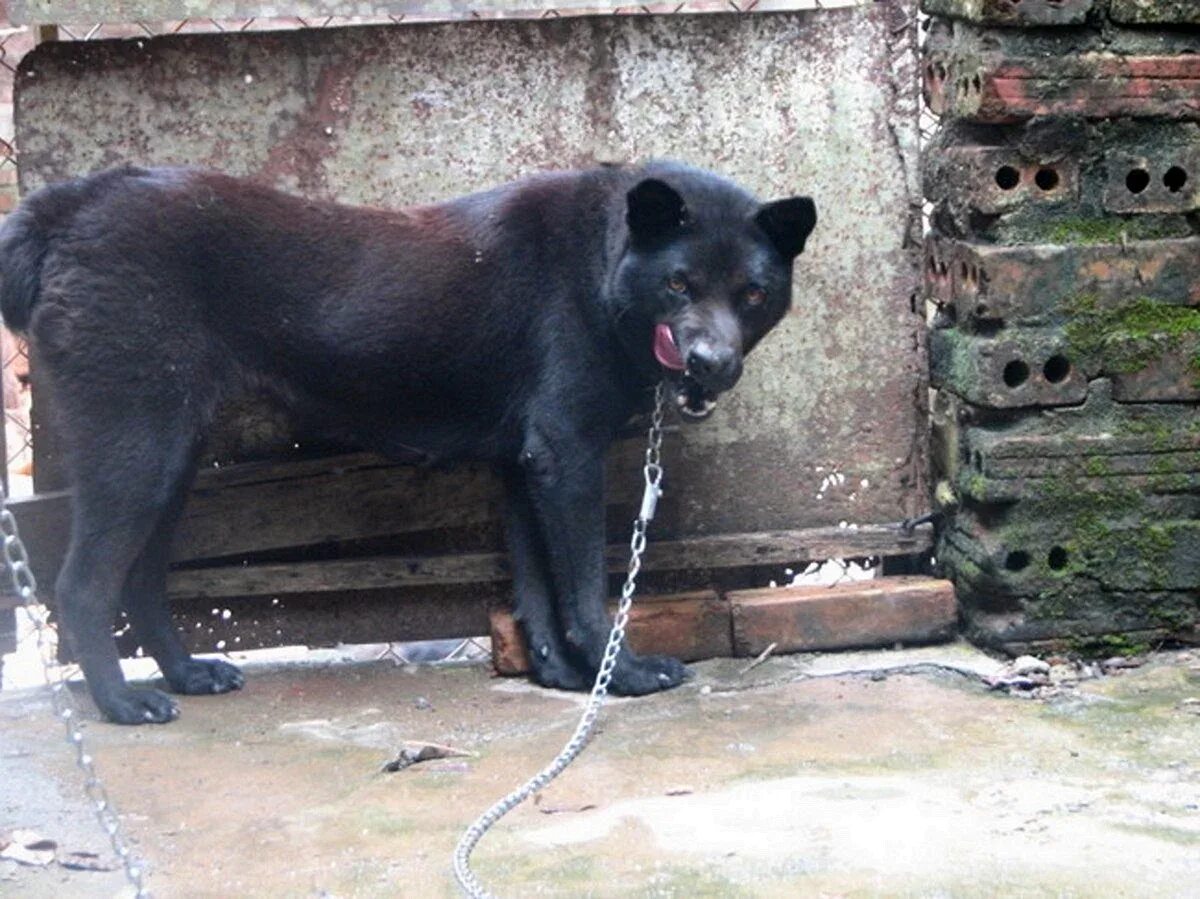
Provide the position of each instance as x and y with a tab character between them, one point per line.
1064	260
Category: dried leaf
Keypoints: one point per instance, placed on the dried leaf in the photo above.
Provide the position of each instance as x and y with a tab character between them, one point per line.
85	861
561	809
414	752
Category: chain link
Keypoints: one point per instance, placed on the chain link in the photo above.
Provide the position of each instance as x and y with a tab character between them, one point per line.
653	473
60	698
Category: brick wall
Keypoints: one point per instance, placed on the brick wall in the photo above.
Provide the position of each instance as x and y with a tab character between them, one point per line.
1064	261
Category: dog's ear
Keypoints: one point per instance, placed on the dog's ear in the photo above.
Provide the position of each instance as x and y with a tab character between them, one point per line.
788	223
654	210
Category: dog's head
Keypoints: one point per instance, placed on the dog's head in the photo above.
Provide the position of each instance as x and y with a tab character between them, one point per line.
706	273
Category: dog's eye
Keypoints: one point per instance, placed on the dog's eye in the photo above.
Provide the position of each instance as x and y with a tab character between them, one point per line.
676	284
755	296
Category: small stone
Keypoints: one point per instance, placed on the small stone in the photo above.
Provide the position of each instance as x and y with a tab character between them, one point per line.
1117	663
1030	665
423	704
705	690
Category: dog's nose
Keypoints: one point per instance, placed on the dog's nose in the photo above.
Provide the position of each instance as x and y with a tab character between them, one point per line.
716	368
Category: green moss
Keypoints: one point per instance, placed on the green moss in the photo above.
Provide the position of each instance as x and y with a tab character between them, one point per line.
1087	231
975	486
1130	337
1106	645
1159	431
1108	528
1083	230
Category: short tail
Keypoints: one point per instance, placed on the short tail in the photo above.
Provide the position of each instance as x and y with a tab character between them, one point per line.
23	245
28	233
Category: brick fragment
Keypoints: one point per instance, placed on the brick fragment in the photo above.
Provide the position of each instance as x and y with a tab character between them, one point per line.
689	626
866	613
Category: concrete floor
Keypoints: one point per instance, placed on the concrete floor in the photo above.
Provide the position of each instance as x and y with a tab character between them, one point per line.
868	774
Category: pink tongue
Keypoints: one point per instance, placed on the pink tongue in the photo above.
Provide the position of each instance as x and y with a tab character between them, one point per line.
665	350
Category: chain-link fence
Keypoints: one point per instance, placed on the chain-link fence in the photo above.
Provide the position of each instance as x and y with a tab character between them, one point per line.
14	43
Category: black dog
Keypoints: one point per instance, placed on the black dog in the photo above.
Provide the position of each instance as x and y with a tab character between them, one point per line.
523	325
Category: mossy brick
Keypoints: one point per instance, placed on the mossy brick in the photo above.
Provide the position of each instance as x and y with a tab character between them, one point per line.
1147	450
1150	349
1155	12
1031	285
1010	611
1089	85
1021	13
1172	374
878	612
998	179
1129	622
1092	542
1005	468
1020	369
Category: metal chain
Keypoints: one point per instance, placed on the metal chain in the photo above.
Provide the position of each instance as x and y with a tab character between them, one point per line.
652	472
60	698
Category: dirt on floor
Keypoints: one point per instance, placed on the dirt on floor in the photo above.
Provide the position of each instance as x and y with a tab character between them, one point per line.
902	773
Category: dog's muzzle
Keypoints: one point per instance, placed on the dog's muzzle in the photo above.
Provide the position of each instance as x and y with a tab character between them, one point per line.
715	368
707	371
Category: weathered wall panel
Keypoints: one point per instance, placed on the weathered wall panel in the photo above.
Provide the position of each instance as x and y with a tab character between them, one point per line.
821	103
89	11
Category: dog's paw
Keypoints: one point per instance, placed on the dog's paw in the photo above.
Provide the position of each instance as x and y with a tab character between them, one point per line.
639	675
139	707
197	677
558	672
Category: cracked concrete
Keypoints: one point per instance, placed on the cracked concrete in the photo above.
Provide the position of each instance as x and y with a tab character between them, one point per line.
855	774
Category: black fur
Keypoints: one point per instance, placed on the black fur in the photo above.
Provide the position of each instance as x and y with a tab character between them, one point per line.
516	325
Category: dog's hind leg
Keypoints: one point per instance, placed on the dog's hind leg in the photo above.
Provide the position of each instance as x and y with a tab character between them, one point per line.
533	594
144	599
116	508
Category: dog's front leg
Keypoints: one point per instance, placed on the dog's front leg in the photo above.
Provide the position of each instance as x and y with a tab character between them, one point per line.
566	485
533	593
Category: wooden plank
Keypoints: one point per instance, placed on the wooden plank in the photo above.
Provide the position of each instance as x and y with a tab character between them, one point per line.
44	520
689	626
336	575
690	554
368	616
278	507
878	612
